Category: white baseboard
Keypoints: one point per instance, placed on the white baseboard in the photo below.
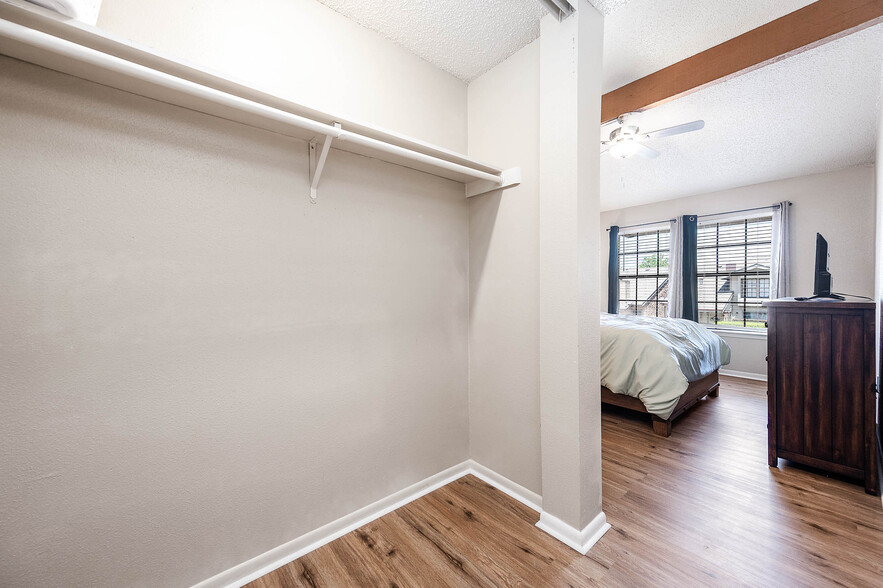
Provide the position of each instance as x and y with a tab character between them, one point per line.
277	557
745	375
526	497
580	540
287	552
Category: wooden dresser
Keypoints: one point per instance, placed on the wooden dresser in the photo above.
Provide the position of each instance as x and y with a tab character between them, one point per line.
821	386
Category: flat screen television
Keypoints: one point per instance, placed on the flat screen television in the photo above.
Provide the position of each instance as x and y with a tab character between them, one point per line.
822	285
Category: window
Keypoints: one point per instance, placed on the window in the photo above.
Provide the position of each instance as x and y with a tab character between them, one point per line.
643	273
756	288
734	272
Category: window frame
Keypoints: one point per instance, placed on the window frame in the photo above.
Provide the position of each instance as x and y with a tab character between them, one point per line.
721	277
661	278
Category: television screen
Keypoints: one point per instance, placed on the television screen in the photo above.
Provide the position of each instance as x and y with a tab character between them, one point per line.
822	286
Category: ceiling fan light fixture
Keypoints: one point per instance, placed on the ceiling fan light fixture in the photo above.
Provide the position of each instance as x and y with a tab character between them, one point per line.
627	140
624	149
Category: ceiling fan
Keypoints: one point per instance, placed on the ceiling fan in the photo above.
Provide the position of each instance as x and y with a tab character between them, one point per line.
626	140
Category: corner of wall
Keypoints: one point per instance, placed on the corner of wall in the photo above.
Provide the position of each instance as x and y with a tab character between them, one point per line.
878	282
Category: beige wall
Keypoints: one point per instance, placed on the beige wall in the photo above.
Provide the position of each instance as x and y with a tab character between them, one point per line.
840	205
306	52
504	402
878	292
197	364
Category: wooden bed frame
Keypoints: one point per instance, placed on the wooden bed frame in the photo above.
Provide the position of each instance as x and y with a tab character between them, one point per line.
707	386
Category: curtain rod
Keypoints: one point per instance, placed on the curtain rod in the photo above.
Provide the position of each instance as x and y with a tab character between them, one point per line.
771	207
645	224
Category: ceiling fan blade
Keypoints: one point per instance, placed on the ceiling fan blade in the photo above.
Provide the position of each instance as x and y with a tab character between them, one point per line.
676	130
646	152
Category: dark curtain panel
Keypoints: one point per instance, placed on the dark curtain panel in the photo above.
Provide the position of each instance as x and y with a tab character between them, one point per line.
691	279
613	272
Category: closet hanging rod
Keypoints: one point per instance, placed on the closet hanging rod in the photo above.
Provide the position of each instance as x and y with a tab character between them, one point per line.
43	49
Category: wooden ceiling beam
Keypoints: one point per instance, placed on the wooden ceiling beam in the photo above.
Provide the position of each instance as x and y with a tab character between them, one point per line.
811	26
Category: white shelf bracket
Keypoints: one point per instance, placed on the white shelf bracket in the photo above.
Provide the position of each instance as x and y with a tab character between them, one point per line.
317	163
508	179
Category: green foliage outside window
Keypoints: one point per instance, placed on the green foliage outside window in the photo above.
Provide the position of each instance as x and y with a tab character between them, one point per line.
650	262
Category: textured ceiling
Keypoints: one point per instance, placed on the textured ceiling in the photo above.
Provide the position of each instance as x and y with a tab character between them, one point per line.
810	113
605	7
462	37
468	37
644	36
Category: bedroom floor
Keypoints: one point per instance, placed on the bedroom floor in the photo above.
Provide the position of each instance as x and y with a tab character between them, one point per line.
698	508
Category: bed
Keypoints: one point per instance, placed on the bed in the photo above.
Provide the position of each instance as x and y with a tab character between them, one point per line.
659	366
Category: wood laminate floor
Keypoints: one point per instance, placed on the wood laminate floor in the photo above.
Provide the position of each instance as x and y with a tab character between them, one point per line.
700	508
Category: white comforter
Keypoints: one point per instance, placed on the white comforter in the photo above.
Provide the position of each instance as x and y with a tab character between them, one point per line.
654	359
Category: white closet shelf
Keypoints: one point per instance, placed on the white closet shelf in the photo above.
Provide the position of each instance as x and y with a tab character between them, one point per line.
36	35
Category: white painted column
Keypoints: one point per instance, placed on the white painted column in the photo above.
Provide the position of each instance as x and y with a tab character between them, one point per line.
570	402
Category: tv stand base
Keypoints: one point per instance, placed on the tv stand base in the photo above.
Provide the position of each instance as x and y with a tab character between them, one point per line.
831	296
